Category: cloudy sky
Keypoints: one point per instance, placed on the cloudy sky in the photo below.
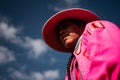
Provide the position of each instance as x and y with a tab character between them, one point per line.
23	53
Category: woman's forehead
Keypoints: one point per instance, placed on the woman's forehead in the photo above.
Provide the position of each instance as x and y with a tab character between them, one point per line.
68	22
65	25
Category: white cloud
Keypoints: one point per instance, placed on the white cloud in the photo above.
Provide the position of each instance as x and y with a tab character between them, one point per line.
46	75
17	75
35	47
64	4
51	74
6	55
9	32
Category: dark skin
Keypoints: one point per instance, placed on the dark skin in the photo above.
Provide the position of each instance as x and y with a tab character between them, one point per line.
69	33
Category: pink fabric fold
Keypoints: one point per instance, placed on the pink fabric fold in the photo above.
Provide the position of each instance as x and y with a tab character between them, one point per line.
98	53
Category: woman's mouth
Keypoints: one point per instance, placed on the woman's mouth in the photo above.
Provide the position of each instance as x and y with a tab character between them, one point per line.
65	36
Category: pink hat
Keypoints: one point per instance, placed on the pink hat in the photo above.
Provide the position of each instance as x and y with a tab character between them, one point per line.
49	33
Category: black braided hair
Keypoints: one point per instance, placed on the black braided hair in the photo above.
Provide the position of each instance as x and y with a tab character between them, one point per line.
68	66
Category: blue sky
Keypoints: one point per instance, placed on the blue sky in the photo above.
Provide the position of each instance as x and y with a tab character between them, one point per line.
23	53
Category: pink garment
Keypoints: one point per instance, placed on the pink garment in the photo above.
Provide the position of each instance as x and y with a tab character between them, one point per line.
98	53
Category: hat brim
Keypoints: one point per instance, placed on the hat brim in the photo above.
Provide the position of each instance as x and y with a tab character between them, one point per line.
48	31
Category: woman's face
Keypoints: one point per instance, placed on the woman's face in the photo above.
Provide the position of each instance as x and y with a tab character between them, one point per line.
69	34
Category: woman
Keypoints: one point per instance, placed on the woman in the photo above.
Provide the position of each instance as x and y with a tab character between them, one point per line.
93	44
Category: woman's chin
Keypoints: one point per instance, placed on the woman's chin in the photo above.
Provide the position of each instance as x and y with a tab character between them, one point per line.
69	45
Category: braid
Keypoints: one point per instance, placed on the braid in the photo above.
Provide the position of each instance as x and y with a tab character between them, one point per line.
68	66
69	62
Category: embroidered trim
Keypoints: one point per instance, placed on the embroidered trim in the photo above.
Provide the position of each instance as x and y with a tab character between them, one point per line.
93	26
